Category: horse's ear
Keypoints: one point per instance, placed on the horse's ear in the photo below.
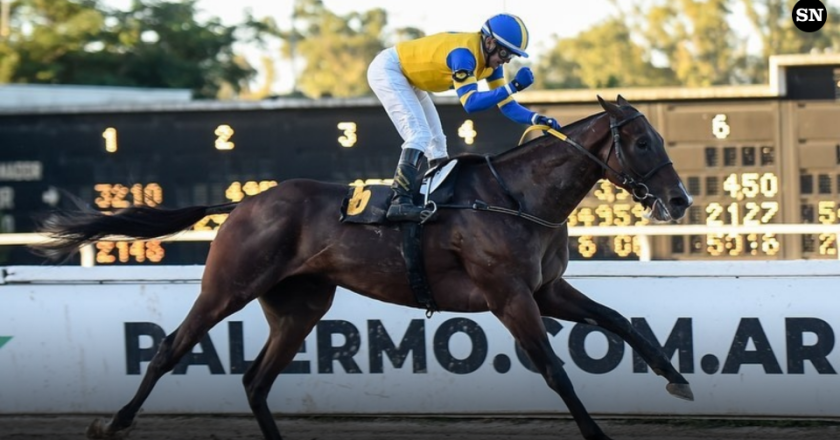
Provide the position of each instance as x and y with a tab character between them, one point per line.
610	108
621	101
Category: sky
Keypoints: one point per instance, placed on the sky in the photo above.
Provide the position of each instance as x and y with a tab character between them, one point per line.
544	18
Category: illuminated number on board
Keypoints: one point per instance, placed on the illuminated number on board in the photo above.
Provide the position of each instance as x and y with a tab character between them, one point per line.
223	134
750	185
714	211
237	191
715	244
719	127
735	244
624	245
154	251
605	213
115	195
586	217
149	195
103	252
828	244
349	137
732	186
752	212
467	132
110	136
769	184
770	245
587	246
639	211
605	191
771	209
827	214
204	224
140	251
734	211
622	214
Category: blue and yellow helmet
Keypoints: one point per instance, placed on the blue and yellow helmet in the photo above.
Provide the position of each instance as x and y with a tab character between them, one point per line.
509	31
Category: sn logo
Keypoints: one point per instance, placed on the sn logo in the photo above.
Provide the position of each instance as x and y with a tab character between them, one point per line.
809	15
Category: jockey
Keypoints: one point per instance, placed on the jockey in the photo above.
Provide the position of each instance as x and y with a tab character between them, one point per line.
402	76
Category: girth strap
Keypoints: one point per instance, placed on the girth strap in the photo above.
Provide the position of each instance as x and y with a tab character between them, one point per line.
415	264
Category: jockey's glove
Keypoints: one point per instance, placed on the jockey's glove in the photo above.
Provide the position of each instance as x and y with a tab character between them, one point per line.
523	79
539	119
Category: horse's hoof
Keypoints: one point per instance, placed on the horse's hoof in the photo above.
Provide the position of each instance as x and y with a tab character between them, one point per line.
681	390
96	430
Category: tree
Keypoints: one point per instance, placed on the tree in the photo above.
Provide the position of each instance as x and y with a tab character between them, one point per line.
696	39
336	49
771	19
603	56
155	43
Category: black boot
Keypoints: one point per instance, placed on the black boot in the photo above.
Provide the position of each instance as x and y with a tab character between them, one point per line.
405	186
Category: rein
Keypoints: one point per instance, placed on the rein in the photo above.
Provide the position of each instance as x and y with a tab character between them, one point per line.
637	185
479	205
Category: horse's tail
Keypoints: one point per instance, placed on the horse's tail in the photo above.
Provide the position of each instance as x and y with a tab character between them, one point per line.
70	230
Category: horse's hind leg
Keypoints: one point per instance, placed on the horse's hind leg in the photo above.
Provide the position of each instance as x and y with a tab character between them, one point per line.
562	301
216	301
292	309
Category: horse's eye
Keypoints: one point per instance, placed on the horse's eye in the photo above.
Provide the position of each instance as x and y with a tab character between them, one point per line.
642	143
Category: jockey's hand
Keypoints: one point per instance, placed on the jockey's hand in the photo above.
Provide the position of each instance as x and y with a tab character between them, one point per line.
539	119
523	79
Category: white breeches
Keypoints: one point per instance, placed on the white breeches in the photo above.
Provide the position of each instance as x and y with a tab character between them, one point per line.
410	109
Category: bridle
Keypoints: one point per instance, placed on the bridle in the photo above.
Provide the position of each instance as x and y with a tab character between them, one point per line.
628	175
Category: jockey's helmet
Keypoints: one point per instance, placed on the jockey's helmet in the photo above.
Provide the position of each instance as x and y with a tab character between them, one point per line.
509	31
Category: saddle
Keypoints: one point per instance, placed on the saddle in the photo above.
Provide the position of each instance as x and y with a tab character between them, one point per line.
368	204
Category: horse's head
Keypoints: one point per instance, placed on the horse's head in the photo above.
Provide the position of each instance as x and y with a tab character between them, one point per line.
640	164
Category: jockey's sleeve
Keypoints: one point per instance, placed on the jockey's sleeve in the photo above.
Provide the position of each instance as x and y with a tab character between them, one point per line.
462	63
509	107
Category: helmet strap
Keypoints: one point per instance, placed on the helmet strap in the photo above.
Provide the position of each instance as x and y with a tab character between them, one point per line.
485	47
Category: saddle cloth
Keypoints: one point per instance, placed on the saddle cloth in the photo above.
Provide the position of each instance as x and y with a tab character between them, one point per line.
368	204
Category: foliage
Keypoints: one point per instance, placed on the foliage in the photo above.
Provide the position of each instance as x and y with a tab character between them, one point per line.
336	49
693	43
155	43
603	56
771	19
160	43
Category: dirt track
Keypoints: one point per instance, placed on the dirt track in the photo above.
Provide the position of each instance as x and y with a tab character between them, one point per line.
239	428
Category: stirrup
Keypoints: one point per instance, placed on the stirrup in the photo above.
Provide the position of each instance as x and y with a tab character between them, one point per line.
426	214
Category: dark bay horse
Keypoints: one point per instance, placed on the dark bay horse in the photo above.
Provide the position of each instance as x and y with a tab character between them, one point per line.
286	248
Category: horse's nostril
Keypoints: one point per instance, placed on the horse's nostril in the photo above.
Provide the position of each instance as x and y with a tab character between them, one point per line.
679	202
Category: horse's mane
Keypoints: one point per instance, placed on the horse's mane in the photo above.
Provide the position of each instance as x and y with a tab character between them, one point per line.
473	158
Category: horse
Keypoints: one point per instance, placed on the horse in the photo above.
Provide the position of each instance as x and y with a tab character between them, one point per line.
286	248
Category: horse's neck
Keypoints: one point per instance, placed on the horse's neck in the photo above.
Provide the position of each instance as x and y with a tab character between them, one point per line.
552	177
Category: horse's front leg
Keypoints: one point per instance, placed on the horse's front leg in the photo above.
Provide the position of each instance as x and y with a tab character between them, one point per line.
520	314
562	301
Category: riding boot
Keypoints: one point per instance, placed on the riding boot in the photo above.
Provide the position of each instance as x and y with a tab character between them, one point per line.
405	187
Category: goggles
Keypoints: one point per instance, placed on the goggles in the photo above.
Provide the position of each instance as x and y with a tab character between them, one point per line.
504	53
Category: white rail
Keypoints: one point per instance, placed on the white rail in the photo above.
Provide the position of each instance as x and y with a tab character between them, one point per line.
644	233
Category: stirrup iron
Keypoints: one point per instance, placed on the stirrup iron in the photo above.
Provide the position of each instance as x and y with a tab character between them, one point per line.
428	213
